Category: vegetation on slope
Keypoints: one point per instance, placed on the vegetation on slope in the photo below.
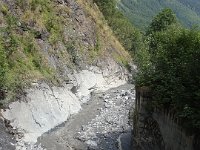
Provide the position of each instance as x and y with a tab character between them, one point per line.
122	28
34	31
168	62
141	12
106	38
167	57
170	66
192	4
20	56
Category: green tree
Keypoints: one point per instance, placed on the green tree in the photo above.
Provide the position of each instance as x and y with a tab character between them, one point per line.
171	68
175	79
163	20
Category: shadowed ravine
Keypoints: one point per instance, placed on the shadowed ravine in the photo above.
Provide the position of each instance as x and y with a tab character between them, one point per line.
103	123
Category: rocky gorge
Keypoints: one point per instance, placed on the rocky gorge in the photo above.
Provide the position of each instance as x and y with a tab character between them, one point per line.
73	76
45	107
99	125
69	55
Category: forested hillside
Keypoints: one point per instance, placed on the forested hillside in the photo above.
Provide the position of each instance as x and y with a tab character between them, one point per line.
193	4
141	12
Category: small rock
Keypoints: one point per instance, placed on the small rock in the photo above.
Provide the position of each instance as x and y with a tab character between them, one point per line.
124	93
101	96
83	128
126	97
106	97
118	97
107	105
91	143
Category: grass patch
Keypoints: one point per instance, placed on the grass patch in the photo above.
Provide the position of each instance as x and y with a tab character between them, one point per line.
105	36
21	61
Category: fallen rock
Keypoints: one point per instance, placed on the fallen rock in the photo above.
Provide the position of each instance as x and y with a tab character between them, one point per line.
91	143
112	119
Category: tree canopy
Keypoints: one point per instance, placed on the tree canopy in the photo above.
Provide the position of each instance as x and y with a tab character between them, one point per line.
171	67
162	21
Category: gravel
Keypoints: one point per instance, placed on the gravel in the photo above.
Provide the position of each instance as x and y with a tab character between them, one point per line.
102	124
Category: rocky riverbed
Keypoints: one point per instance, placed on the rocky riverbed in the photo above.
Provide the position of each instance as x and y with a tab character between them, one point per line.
102	124
7	141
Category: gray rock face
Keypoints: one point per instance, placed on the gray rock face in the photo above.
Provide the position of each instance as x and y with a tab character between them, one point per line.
6	140
112	121
95	127
45	107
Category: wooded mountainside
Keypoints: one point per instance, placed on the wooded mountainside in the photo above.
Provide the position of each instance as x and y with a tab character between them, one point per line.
141	12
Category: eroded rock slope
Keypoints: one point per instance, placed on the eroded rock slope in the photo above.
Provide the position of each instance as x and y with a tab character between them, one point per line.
77	53
103	123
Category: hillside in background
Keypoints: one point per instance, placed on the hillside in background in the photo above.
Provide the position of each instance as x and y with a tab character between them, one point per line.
141	12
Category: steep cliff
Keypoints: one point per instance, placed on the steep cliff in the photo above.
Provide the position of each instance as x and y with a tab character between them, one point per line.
54	55
159	129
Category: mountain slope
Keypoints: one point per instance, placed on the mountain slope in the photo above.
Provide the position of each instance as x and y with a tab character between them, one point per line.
46	40
193	4
141	12
53	55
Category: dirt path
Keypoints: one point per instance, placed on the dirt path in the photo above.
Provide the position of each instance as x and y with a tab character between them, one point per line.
101	124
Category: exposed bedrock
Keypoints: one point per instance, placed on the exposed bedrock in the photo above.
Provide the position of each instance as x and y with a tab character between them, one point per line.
43	106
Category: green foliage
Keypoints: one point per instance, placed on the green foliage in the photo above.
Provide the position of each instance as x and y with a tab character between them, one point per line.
170	66
20	58
176	66
51	20
107	7
97	46
145	68
45	15
120	25
22	4
4	9
3	65
163	20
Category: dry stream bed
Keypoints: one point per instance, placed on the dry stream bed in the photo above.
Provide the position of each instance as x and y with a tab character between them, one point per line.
102	124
